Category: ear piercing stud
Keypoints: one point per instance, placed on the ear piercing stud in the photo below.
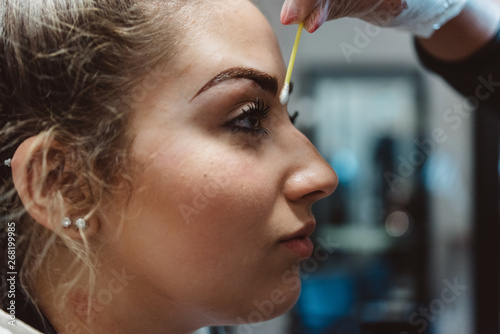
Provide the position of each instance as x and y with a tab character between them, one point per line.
66	222
7	162
80	223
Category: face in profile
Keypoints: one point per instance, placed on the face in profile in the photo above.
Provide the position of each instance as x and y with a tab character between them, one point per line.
220	211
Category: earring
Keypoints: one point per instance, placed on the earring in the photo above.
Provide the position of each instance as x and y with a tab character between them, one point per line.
81	224
7	162
66	222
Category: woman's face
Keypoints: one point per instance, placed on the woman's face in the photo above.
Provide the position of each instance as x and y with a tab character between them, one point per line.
225	181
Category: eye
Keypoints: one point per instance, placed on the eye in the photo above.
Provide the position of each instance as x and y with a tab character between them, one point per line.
250	119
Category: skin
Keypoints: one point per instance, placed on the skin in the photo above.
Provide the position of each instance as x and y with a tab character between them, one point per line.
465	34
215	266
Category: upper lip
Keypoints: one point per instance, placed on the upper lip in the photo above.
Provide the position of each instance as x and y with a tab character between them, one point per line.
305	231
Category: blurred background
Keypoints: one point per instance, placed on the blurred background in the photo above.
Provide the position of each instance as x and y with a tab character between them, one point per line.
408	243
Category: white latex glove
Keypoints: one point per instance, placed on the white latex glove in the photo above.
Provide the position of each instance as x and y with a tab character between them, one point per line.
421	17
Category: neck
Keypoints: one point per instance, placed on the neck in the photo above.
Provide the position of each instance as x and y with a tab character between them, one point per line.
118	304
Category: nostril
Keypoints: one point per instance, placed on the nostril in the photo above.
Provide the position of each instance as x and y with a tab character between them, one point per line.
316	195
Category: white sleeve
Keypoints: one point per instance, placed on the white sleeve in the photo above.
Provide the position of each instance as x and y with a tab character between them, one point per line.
423	17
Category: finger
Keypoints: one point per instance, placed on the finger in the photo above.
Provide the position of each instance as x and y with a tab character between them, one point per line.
296	11
318	16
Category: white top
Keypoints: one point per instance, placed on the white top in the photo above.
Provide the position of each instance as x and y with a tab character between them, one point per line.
7	326
22	328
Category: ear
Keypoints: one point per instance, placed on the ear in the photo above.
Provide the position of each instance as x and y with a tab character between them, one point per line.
40	172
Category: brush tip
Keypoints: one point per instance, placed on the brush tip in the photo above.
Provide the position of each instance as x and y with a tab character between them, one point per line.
285	94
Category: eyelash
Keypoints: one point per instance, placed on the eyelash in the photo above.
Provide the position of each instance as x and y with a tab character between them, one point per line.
260	111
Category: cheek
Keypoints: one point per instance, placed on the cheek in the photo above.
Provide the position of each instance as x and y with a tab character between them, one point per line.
206	202
207	189
210	212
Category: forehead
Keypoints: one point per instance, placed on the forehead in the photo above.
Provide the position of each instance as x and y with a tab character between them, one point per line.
211	40
225	16
232	32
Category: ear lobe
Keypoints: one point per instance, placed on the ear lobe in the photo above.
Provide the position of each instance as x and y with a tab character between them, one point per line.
38	171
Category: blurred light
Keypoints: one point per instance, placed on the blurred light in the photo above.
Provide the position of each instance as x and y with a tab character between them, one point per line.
346	164
397	223
441	174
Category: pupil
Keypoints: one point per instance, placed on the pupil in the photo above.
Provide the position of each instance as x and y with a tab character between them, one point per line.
254	121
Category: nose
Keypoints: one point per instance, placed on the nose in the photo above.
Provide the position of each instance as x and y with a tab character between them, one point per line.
310	177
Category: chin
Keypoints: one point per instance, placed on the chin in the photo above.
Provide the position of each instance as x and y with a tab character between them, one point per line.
263	311
273	304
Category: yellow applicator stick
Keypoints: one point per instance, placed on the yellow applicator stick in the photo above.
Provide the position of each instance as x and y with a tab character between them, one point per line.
285	92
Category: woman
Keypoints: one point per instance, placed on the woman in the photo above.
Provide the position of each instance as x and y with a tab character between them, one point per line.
154	181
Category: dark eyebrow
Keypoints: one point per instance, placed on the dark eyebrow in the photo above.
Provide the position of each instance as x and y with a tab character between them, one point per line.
265	81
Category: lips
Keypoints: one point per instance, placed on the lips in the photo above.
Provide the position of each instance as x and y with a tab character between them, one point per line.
299	241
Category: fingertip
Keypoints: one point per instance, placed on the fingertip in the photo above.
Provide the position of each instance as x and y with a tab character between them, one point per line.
311	27
283	16
290	20
315	20
289	14
286	20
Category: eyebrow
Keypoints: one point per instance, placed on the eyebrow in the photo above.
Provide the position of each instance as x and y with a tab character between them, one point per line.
266	81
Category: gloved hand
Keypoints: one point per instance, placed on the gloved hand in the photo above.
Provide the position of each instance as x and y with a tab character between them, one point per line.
316	12
421	17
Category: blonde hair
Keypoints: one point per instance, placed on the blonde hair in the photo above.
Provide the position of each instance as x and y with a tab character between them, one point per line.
70	70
